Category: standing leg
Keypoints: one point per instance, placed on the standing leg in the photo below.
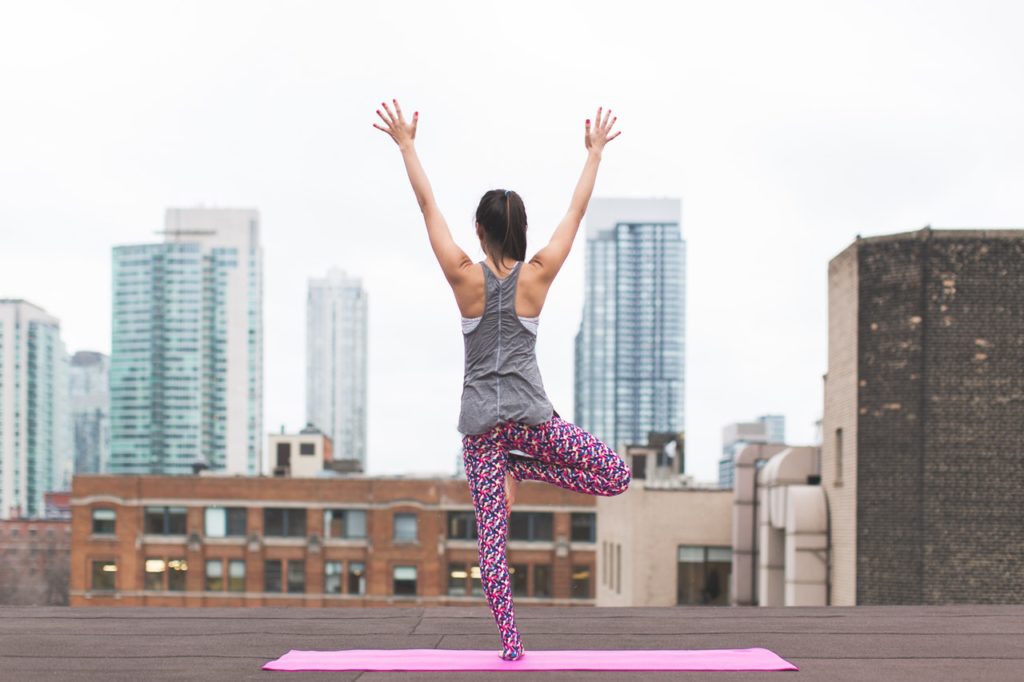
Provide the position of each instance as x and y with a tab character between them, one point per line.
565	455
485	461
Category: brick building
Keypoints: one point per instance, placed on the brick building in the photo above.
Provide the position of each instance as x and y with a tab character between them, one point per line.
923	430
203	540
34	560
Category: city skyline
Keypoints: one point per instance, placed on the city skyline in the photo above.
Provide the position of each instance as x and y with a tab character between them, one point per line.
786	130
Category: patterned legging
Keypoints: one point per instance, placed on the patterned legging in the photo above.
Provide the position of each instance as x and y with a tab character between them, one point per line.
562	454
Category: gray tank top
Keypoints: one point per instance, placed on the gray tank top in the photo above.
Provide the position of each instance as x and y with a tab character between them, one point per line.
502	380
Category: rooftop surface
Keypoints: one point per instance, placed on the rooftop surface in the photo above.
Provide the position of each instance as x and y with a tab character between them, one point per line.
883	643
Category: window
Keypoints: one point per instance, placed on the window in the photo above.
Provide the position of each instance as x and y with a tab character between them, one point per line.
236	575
296	575
294	579
177	569
154	574
639	467
541	580
272	575
584	527
476	584
405	526
332	577
103	521
214	574
520	578
284	454
618	568
345	523
165	520
405	580
356	577
532	526
307	448
225	522
839	457
165	574
284	522
462	525
580	582
103	575
703	575
457	575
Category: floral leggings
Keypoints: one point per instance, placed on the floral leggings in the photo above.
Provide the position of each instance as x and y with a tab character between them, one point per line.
561	454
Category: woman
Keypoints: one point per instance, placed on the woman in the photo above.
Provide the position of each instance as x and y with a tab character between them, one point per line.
504	406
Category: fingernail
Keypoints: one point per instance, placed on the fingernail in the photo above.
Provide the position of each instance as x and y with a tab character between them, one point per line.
588	121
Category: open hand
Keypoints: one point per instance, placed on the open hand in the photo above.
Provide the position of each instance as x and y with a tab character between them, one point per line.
401	132
597	138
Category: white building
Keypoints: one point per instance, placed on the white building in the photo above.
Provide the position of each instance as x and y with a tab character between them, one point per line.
35	442
300	455
336	362
666	540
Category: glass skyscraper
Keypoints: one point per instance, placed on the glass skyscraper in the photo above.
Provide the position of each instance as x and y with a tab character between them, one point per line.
186	378
90	411
336	344
630	349
35	436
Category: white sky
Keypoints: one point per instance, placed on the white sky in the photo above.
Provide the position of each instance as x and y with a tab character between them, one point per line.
785	127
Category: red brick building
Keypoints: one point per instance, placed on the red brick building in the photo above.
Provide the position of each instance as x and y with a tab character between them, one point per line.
212	540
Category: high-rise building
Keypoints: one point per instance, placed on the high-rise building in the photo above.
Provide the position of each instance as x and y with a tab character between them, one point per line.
768	428
630	349
89	381
35	449
336	345
186	378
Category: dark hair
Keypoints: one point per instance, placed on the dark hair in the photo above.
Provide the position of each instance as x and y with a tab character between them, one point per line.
502	216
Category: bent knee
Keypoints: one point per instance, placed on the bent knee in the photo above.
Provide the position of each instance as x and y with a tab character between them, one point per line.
621	483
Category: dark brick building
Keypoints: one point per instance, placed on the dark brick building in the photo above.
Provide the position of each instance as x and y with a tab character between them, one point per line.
34	561
923	431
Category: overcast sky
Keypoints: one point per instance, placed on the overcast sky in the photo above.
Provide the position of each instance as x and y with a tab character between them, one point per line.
785	128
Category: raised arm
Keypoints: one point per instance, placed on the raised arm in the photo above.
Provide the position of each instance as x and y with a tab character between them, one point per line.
549	259
453	260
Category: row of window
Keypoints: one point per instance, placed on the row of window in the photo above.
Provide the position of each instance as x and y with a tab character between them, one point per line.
519	574
289	575
33	532
222	522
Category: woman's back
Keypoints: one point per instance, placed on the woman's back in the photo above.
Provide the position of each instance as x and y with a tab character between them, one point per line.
502	380
531	289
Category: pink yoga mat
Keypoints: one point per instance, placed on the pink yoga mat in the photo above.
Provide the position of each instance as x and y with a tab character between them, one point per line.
533	659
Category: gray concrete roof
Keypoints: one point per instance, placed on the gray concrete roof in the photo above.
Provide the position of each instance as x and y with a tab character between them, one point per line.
862	643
